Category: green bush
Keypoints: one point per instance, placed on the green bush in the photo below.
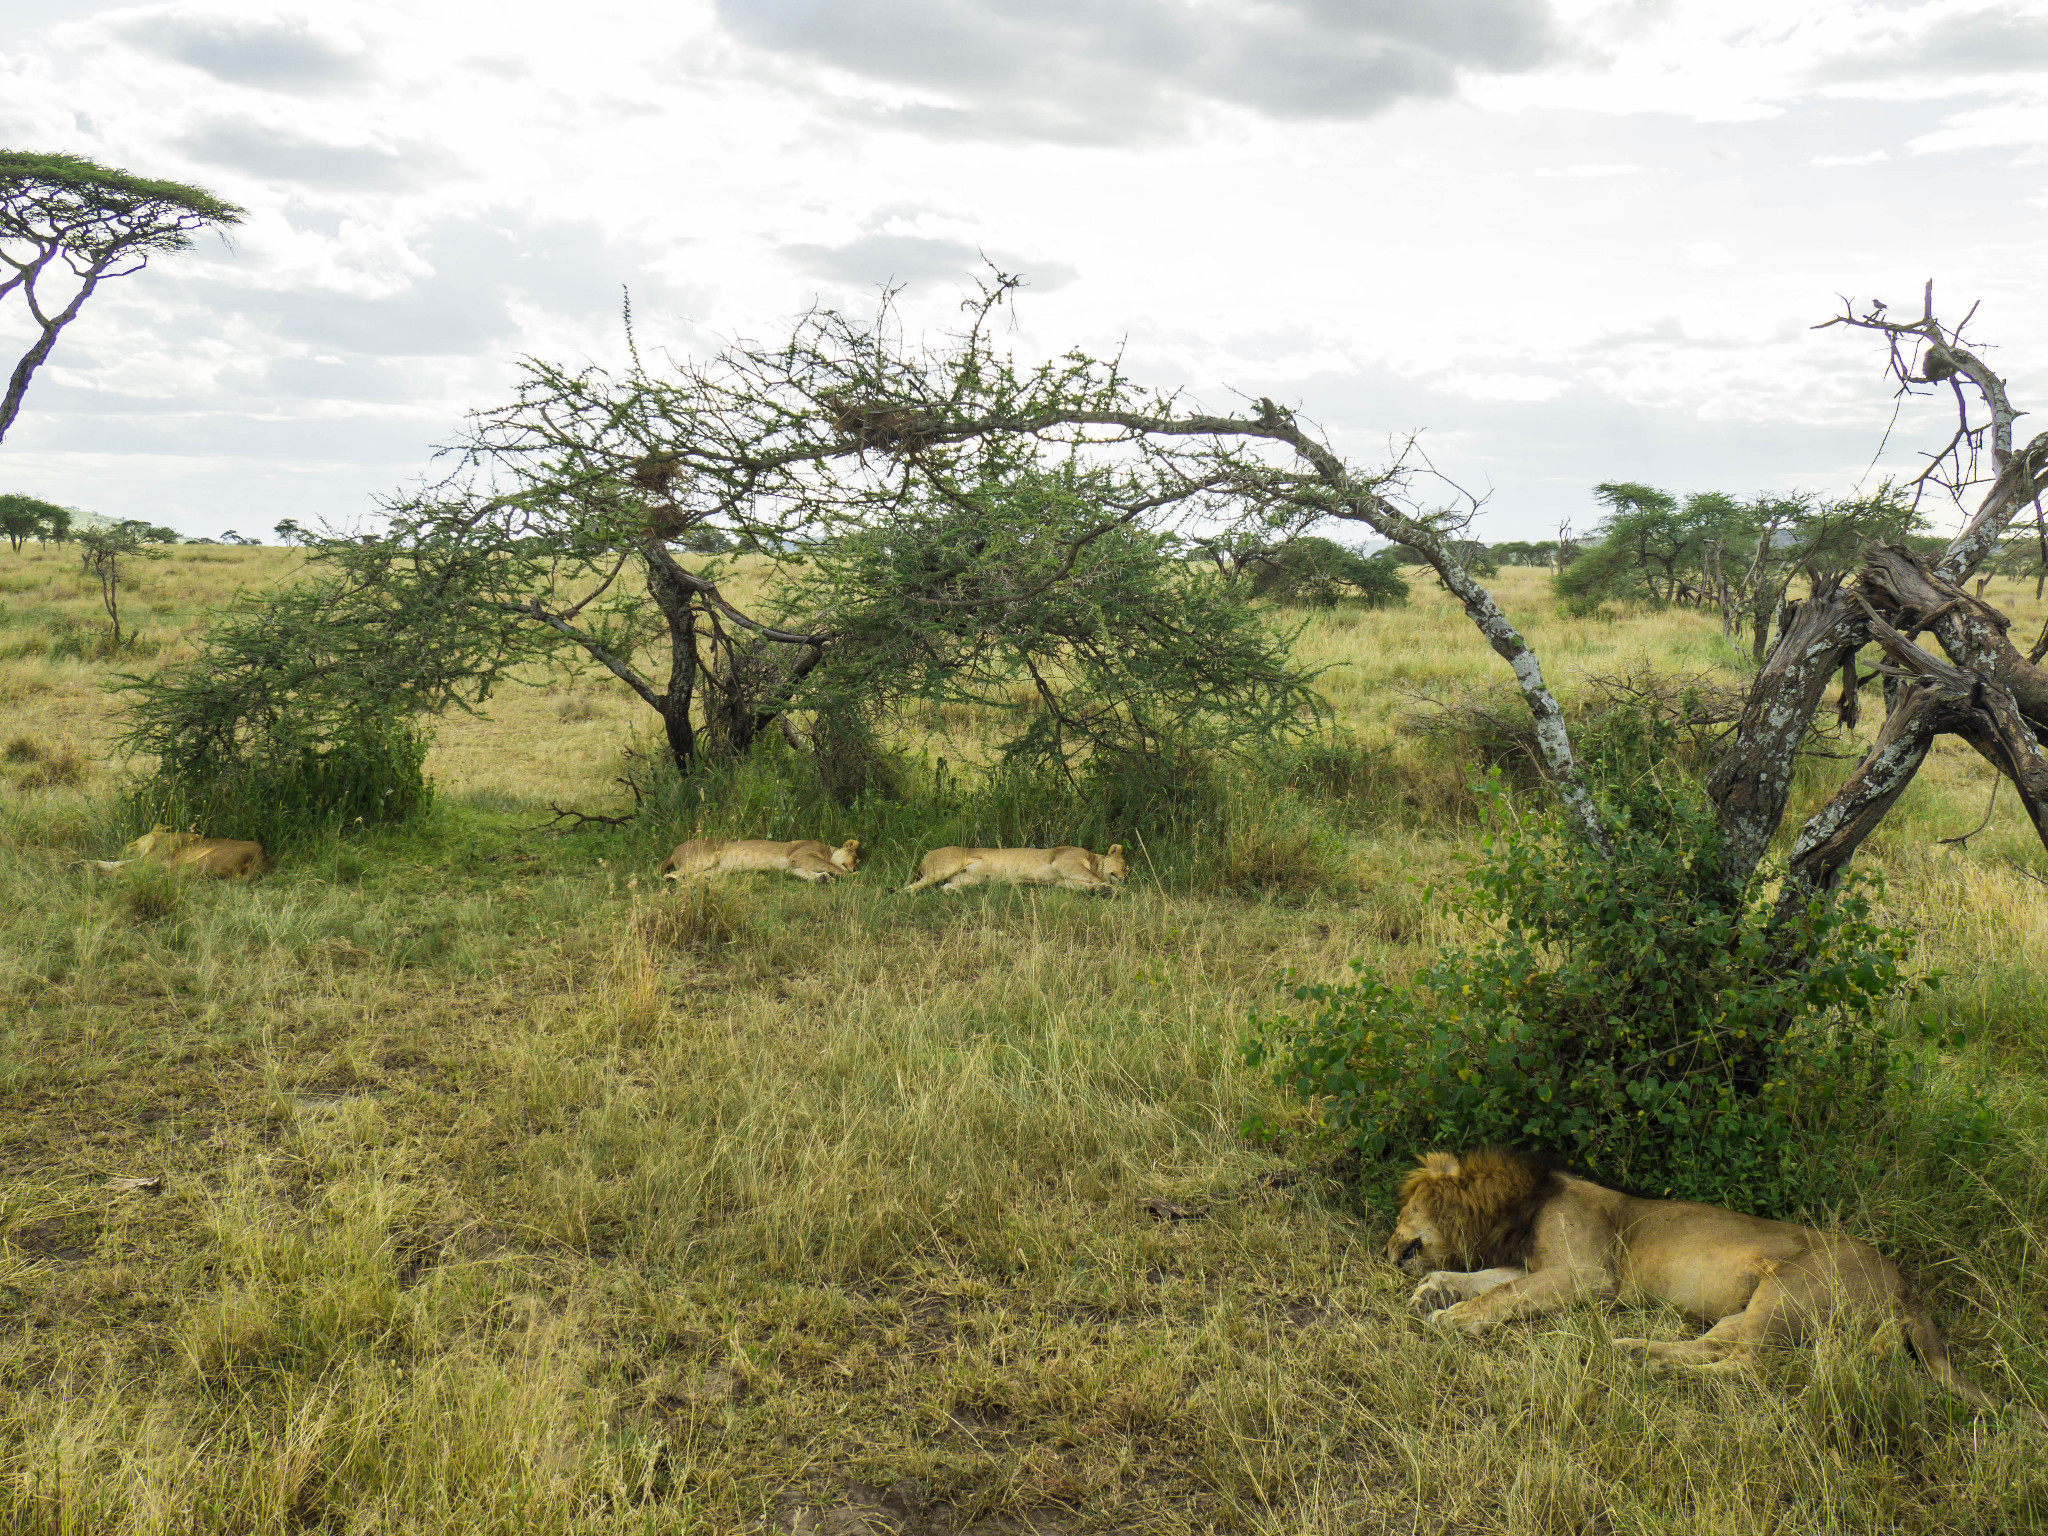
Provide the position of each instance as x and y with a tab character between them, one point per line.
1322	572
285	794
1638	1018
295	719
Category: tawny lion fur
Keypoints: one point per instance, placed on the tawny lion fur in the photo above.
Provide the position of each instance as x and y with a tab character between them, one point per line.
1531	1240
1073	869
228	857
806	858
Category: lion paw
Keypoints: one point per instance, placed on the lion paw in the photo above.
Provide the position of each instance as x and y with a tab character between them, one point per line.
1433	1296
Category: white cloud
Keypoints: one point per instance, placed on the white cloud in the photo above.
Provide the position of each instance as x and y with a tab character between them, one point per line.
1585	243
1104	71
292	54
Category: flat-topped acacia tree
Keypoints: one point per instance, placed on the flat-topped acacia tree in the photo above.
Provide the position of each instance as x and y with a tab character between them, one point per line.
64	213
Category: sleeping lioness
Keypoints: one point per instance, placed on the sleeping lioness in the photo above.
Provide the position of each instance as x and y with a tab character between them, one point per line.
1527	1239
230	858
1073	869
806	858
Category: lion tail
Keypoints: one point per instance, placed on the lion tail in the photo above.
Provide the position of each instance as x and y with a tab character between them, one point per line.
1932	1349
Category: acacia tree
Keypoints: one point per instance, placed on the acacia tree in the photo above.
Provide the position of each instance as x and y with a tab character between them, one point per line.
918	544
106	554
26	517
96	223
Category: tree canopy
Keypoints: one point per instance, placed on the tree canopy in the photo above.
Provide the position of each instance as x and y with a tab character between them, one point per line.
28	517
94	221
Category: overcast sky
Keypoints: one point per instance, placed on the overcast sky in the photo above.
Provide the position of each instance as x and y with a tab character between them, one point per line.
1568	241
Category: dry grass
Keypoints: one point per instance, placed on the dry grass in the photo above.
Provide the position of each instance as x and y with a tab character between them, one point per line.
507	1190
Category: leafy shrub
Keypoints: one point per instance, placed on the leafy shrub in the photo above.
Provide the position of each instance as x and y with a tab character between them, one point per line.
1638	1018
287	725
1321	572
286	793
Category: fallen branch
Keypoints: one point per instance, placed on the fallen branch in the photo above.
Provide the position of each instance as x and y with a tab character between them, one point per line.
582	819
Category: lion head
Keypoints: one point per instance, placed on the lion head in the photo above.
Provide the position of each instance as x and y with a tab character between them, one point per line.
1114	865
1472	1212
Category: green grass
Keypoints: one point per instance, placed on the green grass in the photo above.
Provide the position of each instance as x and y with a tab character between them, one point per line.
506	1188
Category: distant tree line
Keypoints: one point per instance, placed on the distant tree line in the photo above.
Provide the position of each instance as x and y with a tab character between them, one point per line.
25	517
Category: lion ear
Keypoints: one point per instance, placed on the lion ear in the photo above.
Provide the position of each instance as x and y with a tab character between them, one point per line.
1115	849
1442	1164
852	843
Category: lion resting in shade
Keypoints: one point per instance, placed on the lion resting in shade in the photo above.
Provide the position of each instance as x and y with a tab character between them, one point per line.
228	857
1531	1239
1073	869
806	858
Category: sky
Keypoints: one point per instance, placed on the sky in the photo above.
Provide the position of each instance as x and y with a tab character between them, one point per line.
1566	241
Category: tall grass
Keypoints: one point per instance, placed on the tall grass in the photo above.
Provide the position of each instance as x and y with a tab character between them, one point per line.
507	1188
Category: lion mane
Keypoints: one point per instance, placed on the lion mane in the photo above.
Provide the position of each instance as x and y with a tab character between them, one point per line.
1485	1204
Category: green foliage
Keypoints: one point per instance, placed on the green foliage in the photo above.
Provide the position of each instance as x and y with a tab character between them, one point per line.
1191	823
1321	572
1524	552
285	794
98	208
294	720
103	554
1117	657
1638	1017
1647	543
26	517
1715	548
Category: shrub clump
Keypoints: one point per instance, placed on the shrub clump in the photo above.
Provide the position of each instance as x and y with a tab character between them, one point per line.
1319	573
1639	1018
282	791
288	725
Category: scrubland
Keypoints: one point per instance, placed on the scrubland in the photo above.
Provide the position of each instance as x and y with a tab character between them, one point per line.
503	1189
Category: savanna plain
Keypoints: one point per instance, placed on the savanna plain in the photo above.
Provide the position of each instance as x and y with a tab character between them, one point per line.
504	1188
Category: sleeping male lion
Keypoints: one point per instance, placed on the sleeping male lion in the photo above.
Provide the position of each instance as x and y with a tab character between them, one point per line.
230	858
1073	869
806	858
1532	1240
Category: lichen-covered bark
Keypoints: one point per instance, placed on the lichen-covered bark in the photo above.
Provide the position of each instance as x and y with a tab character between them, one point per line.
1752	780
2019	481
1974	635
1834	832
1931	698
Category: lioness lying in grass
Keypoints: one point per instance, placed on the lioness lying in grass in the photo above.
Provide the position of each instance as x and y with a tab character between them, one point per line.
1073	869
1530	1240
228	857
806	858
